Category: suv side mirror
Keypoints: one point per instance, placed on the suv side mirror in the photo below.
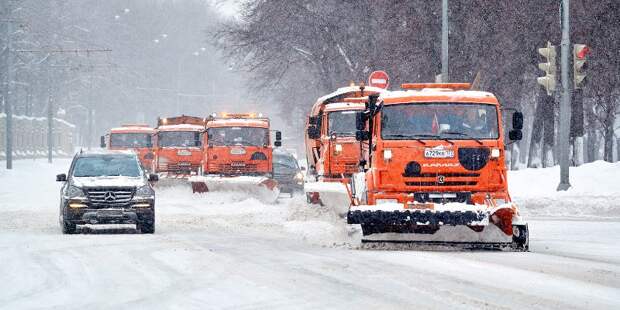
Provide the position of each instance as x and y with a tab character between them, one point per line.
517	120
102	142
61	177
153	177
362	135
360	120
515	135
314	132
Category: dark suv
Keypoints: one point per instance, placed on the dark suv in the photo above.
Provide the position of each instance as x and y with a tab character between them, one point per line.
107	187
287	172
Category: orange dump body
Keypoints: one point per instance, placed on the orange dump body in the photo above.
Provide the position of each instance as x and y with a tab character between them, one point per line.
179	149
333	154
138	137
458	168
237	146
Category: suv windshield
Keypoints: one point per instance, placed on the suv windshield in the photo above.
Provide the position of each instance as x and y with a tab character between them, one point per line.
342	123
439	120
285	160
246	136
178	139
106	165
130	140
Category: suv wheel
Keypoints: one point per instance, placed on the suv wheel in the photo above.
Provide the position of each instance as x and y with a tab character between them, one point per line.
147	228
68	228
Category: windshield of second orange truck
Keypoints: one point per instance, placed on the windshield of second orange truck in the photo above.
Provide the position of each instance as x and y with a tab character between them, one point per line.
439	120
241	136
342	123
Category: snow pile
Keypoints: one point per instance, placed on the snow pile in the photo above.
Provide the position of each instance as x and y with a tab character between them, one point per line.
594	191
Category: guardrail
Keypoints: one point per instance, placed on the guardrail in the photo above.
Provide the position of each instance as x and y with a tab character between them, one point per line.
30	137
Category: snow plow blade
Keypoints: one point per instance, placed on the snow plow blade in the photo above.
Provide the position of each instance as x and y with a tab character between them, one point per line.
172	180
333	195
262	188
464	226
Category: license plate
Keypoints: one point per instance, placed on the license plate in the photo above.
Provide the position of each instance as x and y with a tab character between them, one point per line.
433	153
184	153
110	213
238	164
184	164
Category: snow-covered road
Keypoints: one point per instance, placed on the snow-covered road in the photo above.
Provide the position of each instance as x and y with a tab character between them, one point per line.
222	251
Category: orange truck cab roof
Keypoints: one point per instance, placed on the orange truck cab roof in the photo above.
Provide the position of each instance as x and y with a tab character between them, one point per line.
181	127
238	122
131	128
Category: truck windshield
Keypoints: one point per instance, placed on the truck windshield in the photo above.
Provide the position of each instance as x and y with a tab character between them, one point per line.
342	123
130	140
178	139
106	165
245	136
439	120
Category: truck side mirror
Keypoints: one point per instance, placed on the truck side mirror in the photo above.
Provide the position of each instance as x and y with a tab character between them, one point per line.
313	120
362	135
102	142
360	120
149	141
515	135
314	132
61	177
517	121
278	142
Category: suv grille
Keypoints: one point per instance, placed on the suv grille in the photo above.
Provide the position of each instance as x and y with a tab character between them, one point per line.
110	196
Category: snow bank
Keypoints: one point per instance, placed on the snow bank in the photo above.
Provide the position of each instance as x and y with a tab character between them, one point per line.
594	191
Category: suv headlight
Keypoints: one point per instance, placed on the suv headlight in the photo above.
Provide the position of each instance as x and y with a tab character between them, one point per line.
75	192
145	191
299	176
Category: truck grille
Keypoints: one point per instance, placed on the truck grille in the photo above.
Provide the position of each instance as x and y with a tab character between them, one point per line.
443	179
235	168
179	167
110	196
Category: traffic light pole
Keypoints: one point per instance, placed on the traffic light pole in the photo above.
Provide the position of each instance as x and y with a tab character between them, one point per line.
444	42
565	104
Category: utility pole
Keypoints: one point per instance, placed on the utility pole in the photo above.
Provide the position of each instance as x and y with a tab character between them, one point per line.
565	104
445	77
8	105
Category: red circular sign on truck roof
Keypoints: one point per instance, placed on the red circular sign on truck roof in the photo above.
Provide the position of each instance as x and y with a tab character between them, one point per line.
379	79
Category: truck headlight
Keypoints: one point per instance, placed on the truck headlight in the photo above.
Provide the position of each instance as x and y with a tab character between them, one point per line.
75	192
387	154
145	192
338	149
495	153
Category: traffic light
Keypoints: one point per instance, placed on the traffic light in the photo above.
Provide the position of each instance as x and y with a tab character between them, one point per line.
548	81
580	51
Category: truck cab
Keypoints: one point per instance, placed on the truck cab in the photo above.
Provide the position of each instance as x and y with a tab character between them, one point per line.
238	144
179	148
136	137
434	154
331	148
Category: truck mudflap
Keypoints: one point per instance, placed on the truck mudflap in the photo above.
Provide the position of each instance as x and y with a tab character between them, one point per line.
262	188
453	224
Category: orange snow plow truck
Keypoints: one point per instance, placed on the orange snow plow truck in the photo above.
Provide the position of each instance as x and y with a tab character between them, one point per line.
238	156
136	137
332	152
434	171
178	150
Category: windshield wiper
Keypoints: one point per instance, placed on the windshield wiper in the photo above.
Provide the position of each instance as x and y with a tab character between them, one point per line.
464	135
417	137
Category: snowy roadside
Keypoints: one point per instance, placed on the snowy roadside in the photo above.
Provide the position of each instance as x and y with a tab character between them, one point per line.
594	192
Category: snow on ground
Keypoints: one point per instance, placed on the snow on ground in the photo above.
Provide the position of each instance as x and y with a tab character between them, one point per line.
223	251
594	192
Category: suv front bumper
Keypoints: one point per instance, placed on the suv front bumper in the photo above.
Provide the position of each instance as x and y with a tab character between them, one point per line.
133	213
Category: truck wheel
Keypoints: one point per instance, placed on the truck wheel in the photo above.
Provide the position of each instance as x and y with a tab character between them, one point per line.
68	228
520	238
147	228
